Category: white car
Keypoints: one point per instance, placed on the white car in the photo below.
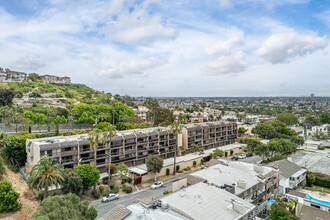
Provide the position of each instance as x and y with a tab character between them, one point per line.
157	185
110	197
328	155
242	156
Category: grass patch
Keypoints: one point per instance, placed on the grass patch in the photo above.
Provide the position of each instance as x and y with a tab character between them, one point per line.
318	189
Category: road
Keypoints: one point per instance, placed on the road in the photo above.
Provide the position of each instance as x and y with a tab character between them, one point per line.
128	199
253	159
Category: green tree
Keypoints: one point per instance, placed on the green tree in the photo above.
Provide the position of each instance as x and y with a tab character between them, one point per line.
95	138
102	125
63	208
217	153
8	198
176	129
310	180
89	175
154	164
44	174
72	182
298	140
196	148
288	118
262	150
2	168
152	105
6	97
278	212
4	140
122	169
241	130
124	126
325	117
109	132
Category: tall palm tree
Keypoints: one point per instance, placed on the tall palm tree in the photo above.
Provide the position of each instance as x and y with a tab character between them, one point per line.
176	129
44	174
109	132
94	139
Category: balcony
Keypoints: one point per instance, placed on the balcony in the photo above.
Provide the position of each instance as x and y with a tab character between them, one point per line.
143	156
123	160
72	152
101	156
153	147
86	150
269	184
132	151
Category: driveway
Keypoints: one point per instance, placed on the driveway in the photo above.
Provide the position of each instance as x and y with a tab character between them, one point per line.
128	199
253	159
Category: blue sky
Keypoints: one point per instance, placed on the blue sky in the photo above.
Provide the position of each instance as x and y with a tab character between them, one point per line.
173	48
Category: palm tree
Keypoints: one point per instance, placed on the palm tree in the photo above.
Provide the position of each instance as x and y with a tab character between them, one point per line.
4	140
176	129
94	139
44	174
109	132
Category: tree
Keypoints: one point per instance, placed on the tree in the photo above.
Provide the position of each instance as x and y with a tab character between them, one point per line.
154	164
176	129
122	169
44	174
102	125
242	130
8	198
4	140
95	138
325	117
288	118
109	132
6	97
89	175
72	182
298	140
2	168
217	153
113	169
124	126
62	208
197	148
152	105
262	150
278	212
310	180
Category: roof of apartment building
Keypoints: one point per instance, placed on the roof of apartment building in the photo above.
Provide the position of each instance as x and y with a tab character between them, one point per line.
206	124
117	213
311	213
231	172
287	168
51	142
203	201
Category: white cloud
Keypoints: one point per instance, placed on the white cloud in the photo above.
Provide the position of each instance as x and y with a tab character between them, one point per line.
30	63
233	63
133	67
284	47
269	4
139	27
225	47
325	17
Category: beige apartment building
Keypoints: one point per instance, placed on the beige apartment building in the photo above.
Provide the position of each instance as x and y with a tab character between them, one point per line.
130	147
208	135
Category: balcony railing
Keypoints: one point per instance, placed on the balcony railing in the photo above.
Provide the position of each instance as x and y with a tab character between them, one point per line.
130	151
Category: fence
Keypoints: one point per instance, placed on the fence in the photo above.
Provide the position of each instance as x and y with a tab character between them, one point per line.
42	128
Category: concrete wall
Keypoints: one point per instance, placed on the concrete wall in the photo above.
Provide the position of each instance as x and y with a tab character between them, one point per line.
177	185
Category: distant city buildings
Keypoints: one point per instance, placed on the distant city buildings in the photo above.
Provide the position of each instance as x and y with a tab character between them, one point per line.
14	76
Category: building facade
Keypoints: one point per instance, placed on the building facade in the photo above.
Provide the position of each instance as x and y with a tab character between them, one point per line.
208	135
56	79
130	147
13	76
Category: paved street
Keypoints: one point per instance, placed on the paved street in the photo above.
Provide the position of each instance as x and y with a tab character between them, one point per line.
128	199
253	159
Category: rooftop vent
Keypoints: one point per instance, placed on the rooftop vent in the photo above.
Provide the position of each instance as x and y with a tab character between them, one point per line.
258	169
241	184
239	207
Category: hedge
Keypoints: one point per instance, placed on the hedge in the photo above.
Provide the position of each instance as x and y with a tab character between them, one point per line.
321	179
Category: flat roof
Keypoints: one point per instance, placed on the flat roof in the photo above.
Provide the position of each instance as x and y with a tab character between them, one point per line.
138	170
221	174
205	202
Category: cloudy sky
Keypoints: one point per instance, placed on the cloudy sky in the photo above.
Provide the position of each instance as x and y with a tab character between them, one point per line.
173	47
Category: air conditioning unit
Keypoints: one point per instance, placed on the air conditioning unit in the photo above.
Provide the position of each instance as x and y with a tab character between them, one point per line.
241	184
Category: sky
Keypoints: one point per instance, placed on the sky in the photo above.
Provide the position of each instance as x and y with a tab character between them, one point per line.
173	47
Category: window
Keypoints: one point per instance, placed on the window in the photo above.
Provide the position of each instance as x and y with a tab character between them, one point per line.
316	206
292	178
42	153
50	153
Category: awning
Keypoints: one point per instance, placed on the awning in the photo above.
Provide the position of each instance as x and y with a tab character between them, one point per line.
137	171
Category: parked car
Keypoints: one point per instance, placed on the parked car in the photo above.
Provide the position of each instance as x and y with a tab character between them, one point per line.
157	185
242	156
234	158
328	155
110	197
249	154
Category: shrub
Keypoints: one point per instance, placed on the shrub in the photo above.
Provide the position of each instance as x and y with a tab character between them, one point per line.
41	195
112	185
115	190
290	207
177	168
96	194
8	197
123	181
101	188
128	189
106	192
105	180
166	192
183	152
129	179
138	180
194	163
310	180
167	171
226	154
322	179
180	171
202	161
231	152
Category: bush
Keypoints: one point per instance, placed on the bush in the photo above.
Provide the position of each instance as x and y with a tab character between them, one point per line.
177	168
127	189
112	185
96	194
167	171
2	168
310	179
101	188
166	192
106	192
194	163
226	154
41	195
180	171
183	152
129	180
8	197
115	190
322	179
123	181
231	152
202	161
138	180
105	180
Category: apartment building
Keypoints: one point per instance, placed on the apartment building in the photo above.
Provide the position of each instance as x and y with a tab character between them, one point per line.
292	176
208	135
13	76
55	79
142	112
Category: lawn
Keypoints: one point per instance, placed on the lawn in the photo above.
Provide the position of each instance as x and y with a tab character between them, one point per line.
318	189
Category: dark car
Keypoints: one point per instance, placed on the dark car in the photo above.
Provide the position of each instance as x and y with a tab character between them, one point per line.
234	158
249	154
